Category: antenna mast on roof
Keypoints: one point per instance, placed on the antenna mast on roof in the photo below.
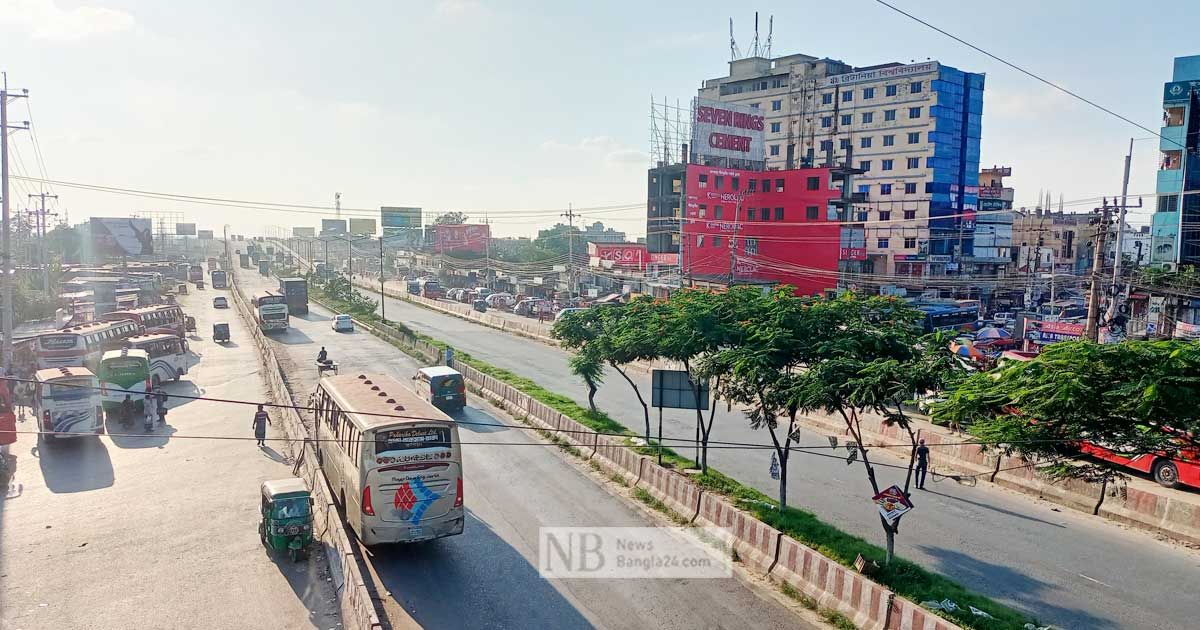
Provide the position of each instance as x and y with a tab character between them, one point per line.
733	49
770	32
754	46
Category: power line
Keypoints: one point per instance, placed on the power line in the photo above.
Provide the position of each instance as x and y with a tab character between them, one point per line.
1026	72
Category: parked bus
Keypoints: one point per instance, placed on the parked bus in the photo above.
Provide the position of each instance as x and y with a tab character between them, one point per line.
158	319
123	373
83	345
271	311
950	317
398	479
67	401
168	356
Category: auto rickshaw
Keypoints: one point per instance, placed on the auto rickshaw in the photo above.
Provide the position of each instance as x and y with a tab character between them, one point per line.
221	332
189	324
287	517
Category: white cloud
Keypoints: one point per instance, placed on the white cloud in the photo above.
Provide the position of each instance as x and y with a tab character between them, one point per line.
45	20
609	149
455	8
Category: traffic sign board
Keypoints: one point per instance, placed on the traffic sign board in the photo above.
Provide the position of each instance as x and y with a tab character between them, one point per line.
892	503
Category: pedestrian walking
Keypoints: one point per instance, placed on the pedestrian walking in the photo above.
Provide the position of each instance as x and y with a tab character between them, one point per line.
148	412
922	463
162	408
126	411
261	420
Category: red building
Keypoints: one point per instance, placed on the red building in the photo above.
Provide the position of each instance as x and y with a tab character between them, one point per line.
786	229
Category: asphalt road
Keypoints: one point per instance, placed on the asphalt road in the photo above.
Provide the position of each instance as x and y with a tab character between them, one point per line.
1053	563
487	577
158	531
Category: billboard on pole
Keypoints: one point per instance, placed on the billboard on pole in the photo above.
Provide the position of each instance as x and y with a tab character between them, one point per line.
122	236
204	235
401	226
365	227
304	231
728	131
185	229
463	238
333	227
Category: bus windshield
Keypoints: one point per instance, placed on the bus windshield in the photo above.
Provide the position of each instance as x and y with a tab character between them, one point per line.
65	390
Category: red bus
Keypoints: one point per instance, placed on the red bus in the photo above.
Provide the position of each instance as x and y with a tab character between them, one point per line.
158	319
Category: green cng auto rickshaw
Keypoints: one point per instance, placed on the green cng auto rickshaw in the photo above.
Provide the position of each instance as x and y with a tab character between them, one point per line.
287	517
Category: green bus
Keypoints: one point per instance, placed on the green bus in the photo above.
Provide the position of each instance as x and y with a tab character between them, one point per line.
126	369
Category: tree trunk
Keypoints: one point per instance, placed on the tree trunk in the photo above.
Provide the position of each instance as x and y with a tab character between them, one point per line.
637	392
592	396
1100	501
891	541
996	470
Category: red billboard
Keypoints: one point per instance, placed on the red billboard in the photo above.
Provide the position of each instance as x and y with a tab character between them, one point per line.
621	254
852	253
463	238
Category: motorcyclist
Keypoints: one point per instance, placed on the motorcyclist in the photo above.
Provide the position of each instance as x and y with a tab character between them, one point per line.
322	356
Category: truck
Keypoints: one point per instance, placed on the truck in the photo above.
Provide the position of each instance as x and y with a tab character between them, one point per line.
271	311
264	266
296	292
195	273
244	261
432	289
220	279
212	263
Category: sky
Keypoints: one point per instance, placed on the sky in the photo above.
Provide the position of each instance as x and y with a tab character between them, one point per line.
517	109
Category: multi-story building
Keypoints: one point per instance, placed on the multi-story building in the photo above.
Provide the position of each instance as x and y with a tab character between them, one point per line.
761	227
597	233
1175	235
1052	241
913	129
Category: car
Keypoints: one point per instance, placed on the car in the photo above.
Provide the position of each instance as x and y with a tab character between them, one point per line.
1003	319
342	323
565	311
220	302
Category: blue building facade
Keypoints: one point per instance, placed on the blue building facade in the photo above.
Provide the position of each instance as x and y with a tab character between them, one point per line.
954	189
1175	228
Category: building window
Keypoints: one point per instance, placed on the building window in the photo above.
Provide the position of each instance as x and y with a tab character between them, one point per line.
864	165
779	185
720	182
868	117
699	240
778	214
864	188
861	215
776	105
703	180
868	93
914	112
885	215
716	241
914	137
749	214
752	105
887	165
885	189
847	96
881	243
827	98
766	185
812	213
928	187
889	140
889	114
910	188
914	162
864	142
766	214
814	183
889	90
844	144
718	212
826	121
735	182
776	127
752	186
826	145
1168	203
910	242
751	246
774	149
909	215
915	87
703	212
778	83
847	119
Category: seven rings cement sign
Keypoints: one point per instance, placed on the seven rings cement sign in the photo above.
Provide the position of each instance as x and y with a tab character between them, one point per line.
727	130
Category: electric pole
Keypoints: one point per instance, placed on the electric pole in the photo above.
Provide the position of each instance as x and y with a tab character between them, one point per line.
382	295
40	230
6	320
1119	252
570	214
1092	331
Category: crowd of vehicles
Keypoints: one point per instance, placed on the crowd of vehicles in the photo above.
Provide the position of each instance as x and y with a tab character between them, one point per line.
160	318
392	459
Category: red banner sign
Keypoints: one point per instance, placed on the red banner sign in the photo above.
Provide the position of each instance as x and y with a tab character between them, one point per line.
621	254
463	238
852	253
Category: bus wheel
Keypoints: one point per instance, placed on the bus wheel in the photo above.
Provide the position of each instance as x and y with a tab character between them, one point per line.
1166	474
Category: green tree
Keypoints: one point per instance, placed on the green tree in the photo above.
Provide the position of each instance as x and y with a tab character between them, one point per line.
588	366
556	239
451	218
1135	398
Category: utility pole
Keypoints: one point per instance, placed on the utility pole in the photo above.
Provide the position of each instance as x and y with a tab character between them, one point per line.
6	320
40	230
382	296
1112	302
570	214
737	214
1093	316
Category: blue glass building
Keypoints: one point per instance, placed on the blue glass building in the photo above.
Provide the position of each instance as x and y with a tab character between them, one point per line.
1175	229
954	189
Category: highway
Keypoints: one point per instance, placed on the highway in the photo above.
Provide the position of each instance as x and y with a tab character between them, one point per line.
158	531
487	577
1054	563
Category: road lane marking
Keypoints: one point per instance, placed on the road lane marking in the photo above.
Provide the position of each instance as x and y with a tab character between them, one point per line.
1092	579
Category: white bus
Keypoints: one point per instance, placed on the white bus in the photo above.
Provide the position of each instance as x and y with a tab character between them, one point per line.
83	345
271	311
398	479
168	356
66	401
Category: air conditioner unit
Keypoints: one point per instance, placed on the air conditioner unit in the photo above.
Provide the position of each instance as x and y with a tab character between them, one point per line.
1170	266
